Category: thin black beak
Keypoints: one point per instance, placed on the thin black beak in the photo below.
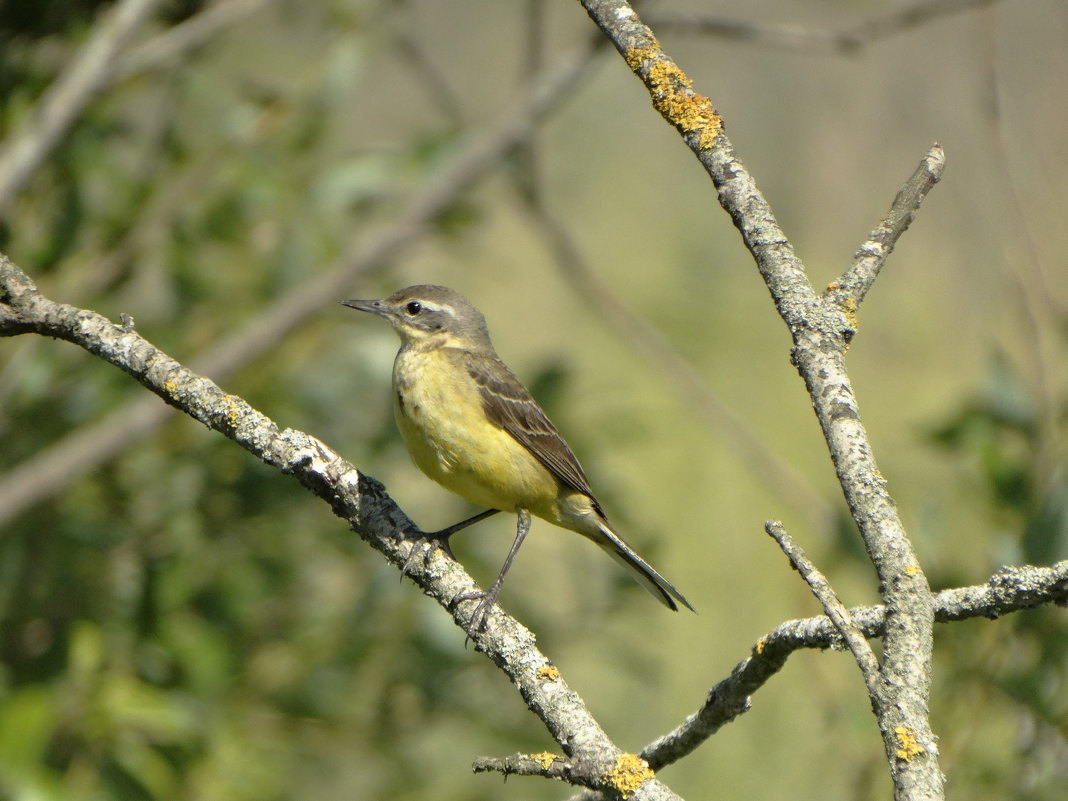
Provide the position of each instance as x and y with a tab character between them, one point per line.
372	306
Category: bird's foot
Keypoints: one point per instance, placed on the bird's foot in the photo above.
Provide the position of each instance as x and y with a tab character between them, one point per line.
486	600
421	539
423	544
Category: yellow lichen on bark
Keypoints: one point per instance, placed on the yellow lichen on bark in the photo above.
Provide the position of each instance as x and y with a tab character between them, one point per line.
545	759
548	672
849	307
630	773
233	409
674	96
910	746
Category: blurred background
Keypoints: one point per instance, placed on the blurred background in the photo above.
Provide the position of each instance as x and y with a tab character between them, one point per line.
178	621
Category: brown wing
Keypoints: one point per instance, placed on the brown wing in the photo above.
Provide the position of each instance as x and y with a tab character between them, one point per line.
509	404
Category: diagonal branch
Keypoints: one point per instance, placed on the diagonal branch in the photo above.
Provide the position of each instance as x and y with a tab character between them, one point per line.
595	761
166	49
828	598
1011	589
849	290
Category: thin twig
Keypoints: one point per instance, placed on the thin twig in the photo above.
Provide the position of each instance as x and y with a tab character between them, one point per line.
833	606
849	291
1011	589
781	36
904	19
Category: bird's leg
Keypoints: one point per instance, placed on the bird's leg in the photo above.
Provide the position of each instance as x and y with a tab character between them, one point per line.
441	538
488	598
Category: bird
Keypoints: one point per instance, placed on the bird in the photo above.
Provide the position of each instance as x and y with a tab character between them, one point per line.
472	426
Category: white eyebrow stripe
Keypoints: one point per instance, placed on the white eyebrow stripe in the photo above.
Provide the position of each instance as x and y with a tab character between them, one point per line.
434	308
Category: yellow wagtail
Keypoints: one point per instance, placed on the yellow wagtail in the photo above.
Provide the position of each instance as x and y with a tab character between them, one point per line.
470	425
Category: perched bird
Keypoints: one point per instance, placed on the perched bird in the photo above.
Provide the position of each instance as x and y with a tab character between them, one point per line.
470	425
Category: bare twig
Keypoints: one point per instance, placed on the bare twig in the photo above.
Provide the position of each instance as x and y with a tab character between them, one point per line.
89	72
828	598
850	289
1011	589
903	19
439	92
778	36
624	777
103	61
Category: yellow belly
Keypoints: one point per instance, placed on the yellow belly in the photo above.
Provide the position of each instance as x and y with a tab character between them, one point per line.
439	414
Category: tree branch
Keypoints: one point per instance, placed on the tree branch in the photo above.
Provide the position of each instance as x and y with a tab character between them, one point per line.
828	598
623	777
821	331
850	289
821	326
595	761
166	49
1011	589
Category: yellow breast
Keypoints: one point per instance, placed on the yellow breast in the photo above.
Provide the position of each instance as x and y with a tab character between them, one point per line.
439	413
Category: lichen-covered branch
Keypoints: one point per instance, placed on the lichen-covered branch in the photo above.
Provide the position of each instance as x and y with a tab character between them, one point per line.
828	598
353	495
1011	589
624	776
821	330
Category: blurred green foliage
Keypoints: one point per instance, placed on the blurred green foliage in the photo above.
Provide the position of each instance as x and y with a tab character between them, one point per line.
1008	433
182	623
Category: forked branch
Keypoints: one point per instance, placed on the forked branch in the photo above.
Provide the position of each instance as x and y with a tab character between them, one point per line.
822	328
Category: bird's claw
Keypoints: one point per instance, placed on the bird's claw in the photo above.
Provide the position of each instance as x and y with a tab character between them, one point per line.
424	543
486	600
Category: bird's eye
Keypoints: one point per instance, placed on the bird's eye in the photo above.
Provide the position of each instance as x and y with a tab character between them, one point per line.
413	308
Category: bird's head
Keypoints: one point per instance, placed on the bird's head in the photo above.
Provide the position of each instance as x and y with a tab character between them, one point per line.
430	316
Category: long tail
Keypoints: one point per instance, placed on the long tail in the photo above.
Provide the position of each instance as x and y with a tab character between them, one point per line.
658	586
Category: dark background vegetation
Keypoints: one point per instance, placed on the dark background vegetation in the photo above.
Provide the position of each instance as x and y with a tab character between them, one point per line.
182	623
